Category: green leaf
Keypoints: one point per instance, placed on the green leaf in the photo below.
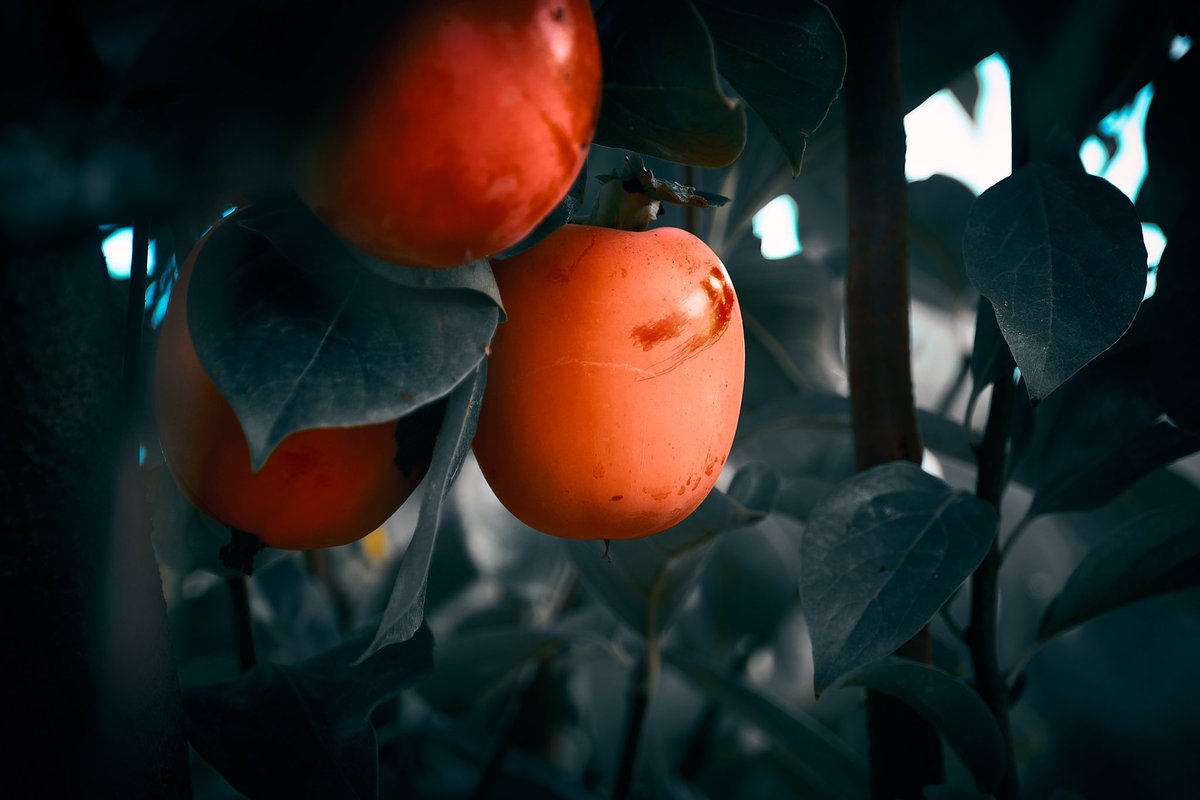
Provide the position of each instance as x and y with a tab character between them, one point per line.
476	666
662	94
787	60
937	216
1155	553
303	730
881	554
1171	154
1059	254
1107	432
821	759
405	610
940	39
645	581
750	584
296	333
1176	323
950	705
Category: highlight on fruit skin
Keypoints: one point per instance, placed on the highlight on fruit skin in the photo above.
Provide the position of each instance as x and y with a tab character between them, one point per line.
467	128
319	488
614	387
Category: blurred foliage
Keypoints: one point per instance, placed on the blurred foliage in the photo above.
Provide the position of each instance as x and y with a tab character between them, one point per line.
174	111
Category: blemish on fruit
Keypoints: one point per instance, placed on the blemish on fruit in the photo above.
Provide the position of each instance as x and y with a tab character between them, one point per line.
657	332
597	470
617	497
659	495
708	469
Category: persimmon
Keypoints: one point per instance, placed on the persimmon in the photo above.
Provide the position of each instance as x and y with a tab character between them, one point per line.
464	132
615	385
318	488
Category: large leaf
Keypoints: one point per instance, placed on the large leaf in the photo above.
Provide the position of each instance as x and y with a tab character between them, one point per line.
787	60
937	216
1107	432
405	610
662	94
751	583
476	666
940	39
1059	254
954	708
297	333
1155	553
645	581
881	554
823	761
1176	324
1171	153
303	730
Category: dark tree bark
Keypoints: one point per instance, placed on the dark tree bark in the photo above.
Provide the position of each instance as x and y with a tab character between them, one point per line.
91	698
905	750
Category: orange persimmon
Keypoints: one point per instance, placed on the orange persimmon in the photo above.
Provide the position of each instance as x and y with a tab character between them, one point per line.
318	488
614	387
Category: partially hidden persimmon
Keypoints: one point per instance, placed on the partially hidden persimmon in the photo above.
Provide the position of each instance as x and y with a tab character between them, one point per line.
319	488
464	132
614	387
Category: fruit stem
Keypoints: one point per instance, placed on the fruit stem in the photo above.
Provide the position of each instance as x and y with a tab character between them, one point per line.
240	552
243	626
629	200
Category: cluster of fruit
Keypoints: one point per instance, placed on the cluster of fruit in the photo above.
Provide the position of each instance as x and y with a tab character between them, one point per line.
615	384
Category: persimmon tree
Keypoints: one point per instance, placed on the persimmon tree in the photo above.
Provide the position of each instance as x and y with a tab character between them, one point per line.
455	651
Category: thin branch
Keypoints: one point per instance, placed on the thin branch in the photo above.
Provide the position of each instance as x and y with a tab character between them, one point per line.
243	627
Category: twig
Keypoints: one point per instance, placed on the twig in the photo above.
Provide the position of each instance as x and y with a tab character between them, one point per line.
243	627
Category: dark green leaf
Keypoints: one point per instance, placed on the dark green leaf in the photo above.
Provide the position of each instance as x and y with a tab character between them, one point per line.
786	59
822	760
880	556
645	581
1171	153
1106	433
473	667
952	706
303	730
1176	323
939	39
662	95
405	610
297	334
1155	553
751	582
755	485
1059	253
937	216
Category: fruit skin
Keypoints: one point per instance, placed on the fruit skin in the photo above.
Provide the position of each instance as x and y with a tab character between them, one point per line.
467	130
318	488
614	388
